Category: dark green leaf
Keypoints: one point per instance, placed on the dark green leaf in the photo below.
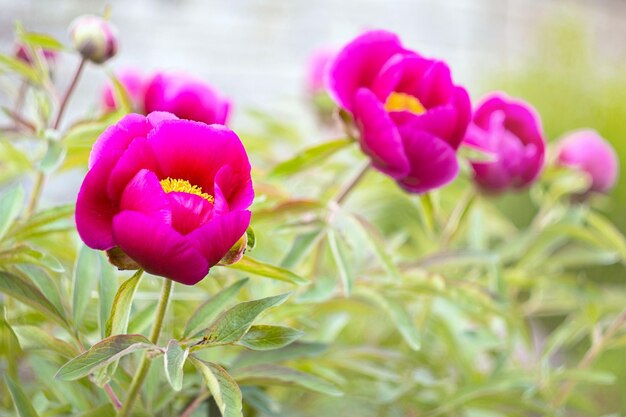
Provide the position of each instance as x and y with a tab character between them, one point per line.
232	324
210	309
122	303
173	361
264	337
223	388
253	266
309	157
280	375
101	354
24	291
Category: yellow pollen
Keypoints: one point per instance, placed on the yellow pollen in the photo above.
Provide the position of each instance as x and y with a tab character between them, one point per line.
183	186
404	102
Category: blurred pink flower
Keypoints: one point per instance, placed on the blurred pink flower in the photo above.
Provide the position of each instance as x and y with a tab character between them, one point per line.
186	97
318	65
135	85
589	152
509	130
172	194
23	54
410	115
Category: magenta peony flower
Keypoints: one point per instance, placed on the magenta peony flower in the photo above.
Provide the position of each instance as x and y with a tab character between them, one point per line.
588	151
318	65
410	115
186	97
135	85
171	194
509	130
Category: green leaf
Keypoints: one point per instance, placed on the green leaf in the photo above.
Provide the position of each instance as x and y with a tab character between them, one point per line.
86	274
341	261
223	387
42	220
122	303
250	245
290	352
9	63
253	266
174	360
302	246
41	40
232	324
210	309
122	99
107	286
53	158
21	402
34	338
608	233
264	337
10	207
309	157
377	244
280	375
101	354
24	291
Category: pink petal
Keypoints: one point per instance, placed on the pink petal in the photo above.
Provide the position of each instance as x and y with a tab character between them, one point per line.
217	236
145	195
380	138
118	136
158	248
137	156
189	211
233	190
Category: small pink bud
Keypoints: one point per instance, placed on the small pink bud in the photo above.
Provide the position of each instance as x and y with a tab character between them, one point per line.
94	38
589	152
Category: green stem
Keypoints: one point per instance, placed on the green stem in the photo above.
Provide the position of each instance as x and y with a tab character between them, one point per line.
39	181
144	366
347	189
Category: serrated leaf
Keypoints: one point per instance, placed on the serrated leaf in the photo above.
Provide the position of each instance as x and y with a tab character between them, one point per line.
280	375
173	362
210	309
309	157
120	311
223	387
10	207
341	261
34	338
21	402
101	354
265	337
232	324
24	291
256	267
85	276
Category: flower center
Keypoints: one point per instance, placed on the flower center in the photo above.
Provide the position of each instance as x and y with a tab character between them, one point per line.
183	186
404	102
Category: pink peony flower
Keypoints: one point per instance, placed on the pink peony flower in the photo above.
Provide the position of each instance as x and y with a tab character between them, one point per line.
319	62
586	150
410	115
186	97
172	194
510	130
134	83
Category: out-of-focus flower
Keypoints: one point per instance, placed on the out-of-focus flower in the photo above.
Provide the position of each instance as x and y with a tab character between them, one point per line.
510	131
410	115
133	82
171	194
186	97
589	152
22	53
318	65
94	38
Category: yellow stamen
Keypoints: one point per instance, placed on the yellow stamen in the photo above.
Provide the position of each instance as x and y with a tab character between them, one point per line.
183	186
404	102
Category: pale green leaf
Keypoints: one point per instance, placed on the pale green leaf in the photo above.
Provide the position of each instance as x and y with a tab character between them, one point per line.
122	303
173	362
41	40
10	207
86	273
35	338
265	337
107	287
280	375
103	353
21	401
341	261
309	157
223	388
256	267
210	309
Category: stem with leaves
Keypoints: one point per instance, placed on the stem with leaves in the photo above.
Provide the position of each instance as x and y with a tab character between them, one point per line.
39	181
144	366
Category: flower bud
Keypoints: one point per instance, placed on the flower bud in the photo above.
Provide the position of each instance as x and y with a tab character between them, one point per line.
235	253
94	38
587	151
118	258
